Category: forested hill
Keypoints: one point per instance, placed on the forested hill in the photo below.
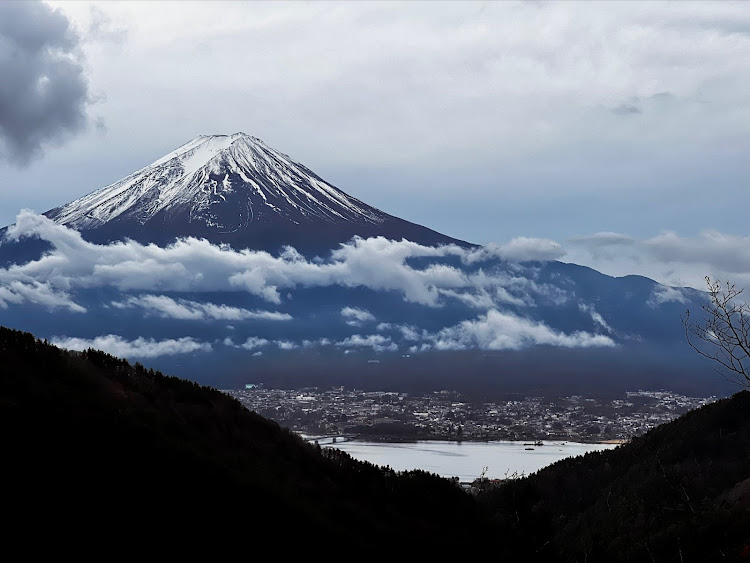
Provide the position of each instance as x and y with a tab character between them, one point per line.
93	445
679	493
97	450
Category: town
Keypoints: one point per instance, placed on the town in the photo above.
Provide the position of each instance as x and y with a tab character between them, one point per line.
447	415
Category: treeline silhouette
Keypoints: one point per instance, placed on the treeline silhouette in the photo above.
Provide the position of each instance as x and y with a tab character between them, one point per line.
679	493
95	449
92	442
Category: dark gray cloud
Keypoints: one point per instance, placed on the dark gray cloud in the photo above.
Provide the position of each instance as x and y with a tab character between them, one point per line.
668	258
44	91
626	109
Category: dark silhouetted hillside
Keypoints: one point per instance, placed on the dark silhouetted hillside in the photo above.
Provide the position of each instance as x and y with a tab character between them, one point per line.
100	452
94	445
679	493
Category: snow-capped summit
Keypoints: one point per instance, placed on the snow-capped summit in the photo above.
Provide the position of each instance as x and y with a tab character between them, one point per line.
235	189
224	182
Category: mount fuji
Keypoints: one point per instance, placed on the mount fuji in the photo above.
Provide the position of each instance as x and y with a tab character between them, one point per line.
225	261
233	189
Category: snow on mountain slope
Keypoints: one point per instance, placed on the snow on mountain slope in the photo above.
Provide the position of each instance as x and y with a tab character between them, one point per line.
233	189
218	169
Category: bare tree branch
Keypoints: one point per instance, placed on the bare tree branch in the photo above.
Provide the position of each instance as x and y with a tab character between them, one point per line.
722	333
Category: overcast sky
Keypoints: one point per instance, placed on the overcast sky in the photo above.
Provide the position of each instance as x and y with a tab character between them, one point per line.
619	130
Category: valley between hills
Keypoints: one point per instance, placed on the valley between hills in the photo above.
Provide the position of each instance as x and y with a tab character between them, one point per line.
135	450
448	415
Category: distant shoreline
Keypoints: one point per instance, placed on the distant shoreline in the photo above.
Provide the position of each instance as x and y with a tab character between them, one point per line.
392	440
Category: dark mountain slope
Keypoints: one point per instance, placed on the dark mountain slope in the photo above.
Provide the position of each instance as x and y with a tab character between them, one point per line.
233	189
91	443
99	452
227	189
679	493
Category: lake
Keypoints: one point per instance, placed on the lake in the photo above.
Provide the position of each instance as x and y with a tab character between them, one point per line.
464	460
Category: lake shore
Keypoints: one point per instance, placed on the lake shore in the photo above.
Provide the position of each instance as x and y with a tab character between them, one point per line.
385	439
465	460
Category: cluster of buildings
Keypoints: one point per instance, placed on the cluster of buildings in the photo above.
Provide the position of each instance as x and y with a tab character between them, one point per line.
446	415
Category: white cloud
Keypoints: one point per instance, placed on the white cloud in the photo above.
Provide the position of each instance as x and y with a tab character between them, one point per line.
514	286
138	348
251	343
665	294
503	296
595	316
377	342
254	342
196	266
16	291
381	265
479	300
408	332
318	342
492	331
519	249
504	331
356	317
405	268
183	309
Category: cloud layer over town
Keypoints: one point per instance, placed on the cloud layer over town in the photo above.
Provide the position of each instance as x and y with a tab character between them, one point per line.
483	280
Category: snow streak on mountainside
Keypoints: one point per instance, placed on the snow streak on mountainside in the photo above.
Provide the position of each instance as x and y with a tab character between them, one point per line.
210	170
236	189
